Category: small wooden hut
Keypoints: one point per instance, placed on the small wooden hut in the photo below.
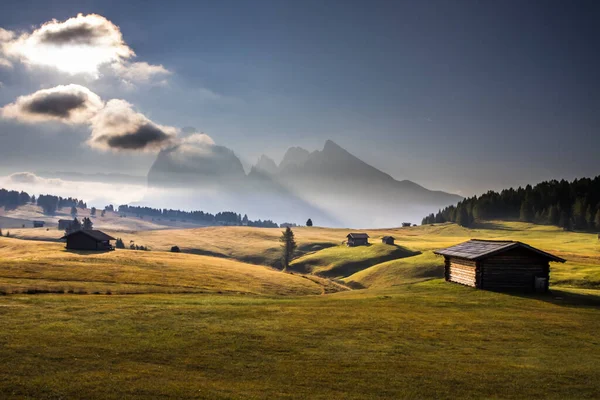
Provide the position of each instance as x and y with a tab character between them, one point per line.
89	239
387	240
500	265
357	239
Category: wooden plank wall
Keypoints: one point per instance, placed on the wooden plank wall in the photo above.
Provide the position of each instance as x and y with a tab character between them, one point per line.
461	271
513	270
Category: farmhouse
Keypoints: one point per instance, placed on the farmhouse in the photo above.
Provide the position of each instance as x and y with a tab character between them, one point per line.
387	240
357	239
498	265
88	239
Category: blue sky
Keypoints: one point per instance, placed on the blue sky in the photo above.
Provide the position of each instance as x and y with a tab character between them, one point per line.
462	96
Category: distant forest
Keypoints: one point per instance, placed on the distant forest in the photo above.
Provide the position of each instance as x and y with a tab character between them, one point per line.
569	205
11	199
221	218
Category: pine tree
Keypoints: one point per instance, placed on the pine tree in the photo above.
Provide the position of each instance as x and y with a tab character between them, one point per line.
119	244
597	219
93	211
0	232
74	226
87	224
309	222
7	233
73	211
462	217
288	247
103	213
526	212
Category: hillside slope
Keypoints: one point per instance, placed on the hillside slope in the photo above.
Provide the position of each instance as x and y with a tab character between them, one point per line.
42	266
342	261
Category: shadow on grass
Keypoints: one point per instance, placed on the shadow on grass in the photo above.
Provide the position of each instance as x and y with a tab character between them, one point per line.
562	298
87	252
493	226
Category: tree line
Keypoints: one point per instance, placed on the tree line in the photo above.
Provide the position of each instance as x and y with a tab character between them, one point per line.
570	205
50	204
225	217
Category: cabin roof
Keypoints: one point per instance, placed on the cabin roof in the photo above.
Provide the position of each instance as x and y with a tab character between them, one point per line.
355	235
93	233
477	249
388	237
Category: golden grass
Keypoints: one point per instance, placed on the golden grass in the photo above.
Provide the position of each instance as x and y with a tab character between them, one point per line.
41	266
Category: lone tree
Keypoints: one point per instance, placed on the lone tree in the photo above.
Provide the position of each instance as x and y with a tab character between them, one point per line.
73	211
309	222
288	248
93	211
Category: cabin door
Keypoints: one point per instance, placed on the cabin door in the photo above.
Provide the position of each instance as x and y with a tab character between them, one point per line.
540	284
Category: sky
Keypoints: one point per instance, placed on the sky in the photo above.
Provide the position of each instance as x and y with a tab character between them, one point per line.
461	96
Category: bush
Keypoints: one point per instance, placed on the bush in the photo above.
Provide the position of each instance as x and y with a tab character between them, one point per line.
175	249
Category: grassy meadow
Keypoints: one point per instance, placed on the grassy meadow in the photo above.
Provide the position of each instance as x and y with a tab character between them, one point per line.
218	321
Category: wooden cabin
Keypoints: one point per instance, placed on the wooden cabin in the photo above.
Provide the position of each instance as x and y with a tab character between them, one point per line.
387	240
499	265
89	239
357	239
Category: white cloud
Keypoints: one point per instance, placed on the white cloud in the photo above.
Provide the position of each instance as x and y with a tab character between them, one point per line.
119	127
71	104
94	193
139	72
81	44
31	178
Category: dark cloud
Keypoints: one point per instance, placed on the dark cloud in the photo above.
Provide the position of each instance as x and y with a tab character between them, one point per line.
145	136
56	104
70	104
85	33
119	127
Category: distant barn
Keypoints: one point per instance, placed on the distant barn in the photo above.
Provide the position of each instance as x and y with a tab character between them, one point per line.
387	240
406	224
498	265
357	239
63	224
38	224
93	240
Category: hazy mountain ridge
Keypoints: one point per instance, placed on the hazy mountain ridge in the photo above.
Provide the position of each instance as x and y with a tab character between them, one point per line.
332	184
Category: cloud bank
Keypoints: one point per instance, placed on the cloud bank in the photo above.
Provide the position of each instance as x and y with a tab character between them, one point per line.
119	127
114	125
71	104
81	44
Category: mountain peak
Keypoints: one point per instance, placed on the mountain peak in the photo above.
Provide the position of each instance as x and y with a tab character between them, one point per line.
294	156
266	164
330	146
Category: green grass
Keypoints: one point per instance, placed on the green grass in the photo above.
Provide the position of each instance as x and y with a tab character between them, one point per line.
399	272
342	261
409	335
428	340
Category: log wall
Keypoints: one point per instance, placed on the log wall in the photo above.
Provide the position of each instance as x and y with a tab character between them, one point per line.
461	271
514	270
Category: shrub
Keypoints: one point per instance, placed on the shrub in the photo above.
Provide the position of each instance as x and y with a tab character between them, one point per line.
175	249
